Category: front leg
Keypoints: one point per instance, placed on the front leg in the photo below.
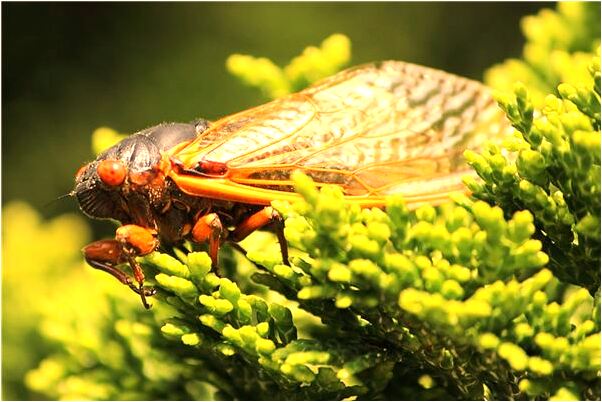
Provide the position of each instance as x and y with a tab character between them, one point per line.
130	241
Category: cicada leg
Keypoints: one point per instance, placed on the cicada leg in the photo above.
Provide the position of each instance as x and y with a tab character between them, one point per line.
209	228
130	241
137	241
106	255
266	216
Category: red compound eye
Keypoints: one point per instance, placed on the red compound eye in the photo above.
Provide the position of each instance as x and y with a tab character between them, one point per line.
111	172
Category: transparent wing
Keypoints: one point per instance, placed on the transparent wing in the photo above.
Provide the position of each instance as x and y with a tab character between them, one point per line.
378	129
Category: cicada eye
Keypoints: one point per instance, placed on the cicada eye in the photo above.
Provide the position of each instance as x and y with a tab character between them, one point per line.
111	172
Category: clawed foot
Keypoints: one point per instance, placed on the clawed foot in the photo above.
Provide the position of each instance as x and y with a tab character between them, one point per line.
144	292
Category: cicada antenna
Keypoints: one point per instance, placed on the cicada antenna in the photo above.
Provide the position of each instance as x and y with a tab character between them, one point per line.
60	197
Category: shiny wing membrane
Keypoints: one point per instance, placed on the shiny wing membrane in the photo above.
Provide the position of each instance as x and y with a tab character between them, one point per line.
375	130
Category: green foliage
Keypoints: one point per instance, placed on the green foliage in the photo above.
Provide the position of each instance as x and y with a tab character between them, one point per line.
558	49
459	291
111	350
34	272
551	166
257	336
313	64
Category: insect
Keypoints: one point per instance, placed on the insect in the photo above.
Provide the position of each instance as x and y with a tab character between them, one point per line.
374	130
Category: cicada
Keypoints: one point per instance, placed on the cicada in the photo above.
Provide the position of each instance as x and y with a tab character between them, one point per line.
374	130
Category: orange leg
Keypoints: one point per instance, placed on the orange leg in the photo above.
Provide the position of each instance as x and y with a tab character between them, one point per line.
130	241
136	241
257	221
106	255
209	228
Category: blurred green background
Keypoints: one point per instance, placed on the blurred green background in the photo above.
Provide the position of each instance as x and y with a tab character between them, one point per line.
71	68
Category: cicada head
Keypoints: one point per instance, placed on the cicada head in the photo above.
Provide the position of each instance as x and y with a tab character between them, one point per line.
126	182
104	188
